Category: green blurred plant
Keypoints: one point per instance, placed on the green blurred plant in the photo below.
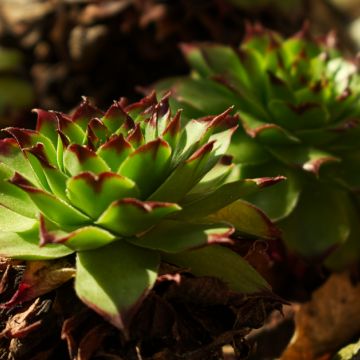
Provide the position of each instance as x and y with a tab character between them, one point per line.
16	94
298	102
125	190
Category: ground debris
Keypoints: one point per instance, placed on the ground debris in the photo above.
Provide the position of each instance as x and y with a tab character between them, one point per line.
330	320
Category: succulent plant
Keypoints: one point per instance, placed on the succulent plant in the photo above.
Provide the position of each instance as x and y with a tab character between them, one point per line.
125	190
298	102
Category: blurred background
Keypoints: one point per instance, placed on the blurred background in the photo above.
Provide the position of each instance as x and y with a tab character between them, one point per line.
54	51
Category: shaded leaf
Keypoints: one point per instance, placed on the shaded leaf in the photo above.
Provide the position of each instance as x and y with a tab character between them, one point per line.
94	193
136	166
222	263
247	219
79	158
114	280
319	222
26	247
129	216
175	236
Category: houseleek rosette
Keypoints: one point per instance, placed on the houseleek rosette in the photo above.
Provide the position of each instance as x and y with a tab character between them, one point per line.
125	190
298	102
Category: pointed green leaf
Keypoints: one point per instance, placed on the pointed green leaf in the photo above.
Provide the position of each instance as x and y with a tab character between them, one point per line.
222	263
12	156
28	138
175	236
309	159
201	205
115	117
84	113
16	200
115	151
247	219
11	221
79	158
185	176
53	208
85	238
128	217
267	133
276	201
204	95
96	133
114	280
47	124
298	117
23	247
94	193
148	166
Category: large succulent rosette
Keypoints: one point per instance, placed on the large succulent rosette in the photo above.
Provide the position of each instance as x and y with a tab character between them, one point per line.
298	102
125	190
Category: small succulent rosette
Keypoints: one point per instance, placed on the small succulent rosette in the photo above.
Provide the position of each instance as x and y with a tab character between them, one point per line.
298	102
125	190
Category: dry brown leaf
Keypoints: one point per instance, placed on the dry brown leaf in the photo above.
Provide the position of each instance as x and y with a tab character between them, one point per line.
19	325
329	320
41	277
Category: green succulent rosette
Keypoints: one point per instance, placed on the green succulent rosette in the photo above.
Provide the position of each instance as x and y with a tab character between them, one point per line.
125	190
298	102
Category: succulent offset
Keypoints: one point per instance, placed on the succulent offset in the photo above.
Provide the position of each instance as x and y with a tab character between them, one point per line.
298	102
125	190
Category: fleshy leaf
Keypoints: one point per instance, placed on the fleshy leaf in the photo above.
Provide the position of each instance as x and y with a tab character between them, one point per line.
84	113
176	236
298	117
267	133
16	200
79	158
136	166
206	204
222	263
10	221
276	201
53	208
94	193
12	156
115	117
204	95
96	133
309	159
69	129
128	217
28	138
185	176
23	247
247	219
114	280
115	151
85	238
47	123
319	222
